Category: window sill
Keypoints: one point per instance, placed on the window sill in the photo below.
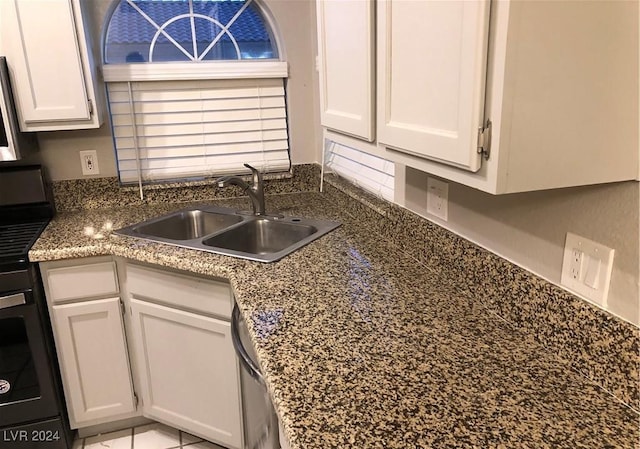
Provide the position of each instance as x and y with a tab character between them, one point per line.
195	71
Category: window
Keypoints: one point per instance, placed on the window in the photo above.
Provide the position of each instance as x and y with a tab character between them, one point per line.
370	172
196	89
197	30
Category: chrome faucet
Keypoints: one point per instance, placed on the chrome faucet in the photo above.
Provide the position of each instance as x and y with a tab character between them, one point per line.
255	190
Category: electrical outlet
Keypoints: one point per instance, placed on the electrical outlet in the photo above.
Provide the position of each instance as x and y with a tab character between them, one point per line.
575	266
586	268
89	162
438	198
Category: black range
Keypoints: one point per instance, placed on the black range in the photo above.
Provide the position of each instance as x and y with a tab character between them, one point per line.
32	412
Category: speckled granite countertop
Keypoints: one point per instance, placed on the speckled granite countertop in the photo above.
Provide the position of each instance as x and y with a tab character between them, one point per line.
365	347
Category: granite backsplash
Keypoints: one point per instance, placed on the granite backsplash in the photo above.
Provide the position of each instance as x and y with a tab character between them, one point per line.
104	193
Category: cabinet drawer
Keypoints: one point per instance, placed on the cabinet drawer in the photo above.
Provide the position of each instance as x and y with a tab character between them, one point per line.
185	292
67	283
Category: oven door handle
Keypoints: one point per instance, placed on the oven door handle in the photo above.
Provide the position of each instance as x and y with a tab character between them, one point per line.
16	299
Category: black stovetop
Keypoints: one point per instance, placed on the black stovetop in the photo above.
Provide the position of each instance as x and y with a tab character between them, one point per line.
26	206
17	238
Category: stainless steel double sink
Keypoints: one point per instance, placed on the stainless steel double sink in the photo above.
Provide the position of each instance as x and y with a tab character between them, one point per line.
220	230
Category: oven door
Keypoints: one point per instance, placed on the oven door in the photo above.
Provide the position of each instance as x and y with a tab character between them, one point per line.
26	384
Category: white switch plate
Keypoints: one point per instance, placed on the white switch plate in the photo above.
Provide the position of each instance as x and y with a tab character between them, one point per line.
438	198
89	162
586	268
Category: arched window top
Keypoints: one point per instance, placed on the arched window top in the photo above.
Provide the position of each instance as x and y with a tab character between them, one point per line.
187	30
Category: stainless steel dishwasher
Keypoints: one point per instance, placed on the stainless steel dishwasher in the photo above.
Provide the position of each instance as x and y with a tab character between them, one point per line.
261	430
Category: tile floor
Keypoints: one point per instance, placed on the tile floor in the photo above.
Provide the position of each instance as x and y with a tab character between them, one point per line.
151	436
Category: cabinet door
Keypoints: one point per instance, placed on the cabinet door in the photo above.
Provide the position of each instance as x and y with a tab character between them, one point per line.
431	77
188	372
345	51
41	43
93	355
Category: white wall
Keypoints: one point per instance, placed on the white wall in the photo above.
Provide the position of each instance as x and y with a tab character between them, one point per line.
296	22
530	228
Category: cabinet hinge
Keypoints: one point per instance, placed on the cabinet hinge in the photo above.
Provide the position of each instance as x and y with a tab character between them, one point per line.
90	107
484	140
136	401
122	308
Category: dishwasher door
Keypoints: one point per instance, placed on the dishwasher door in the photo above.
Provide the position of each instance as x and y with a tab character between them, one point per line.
259	417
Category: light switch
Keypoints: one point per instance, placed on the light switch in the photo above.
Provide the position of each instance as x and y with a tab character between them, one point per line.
592	275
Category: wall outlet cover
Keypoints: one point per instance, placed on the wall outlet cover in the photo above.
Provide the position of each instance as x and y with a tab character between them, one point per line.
89	162
438	198
586	268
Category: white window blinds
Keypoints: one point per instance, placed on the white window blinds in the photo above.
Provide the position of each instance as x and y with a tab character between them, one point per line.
370	172
186	129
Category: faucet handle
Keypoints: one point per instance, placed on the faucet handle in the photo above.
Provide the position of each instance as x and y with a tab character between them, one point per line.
257	176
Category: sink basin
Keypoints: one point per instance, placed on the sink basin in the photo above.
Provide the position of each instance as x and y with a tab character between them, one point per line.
261	236
225	231
187	225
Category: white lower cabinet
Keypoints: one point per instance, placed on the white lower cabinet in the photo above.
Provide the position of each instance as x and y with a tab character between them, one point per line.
188	371
88	328
177	329
93	357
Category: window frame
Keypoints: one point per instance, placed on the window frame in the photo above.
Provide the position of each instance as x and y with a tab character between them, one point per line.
195	71
272	29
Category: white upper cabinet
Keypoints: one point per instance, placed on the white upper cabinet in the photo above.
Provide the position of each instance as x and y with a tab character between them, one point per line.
562	96
346	66
50	64
431	78
556	80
